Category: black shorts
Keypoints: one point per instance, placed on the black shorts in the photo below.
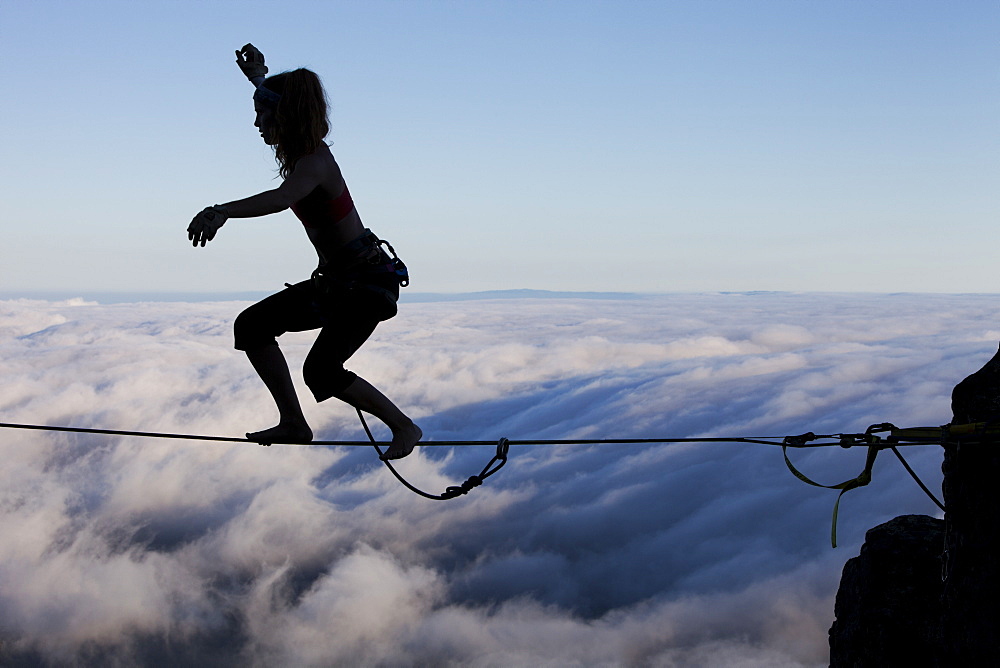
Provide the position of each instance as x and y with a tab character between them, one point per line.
346	313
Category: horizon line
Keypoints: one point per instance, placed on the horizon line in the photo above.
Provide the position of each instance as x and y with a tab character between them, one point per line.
130	296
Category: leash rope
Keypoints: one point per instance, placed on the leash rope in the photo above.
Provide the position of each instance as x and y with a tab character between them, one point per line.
500	458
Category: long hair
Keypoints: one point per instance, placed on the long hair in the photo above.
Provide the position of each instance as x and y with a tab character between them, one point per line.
300	117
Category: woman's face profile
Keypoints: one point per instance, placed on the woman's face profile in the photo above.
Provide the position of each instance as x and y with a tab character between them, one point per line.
264	122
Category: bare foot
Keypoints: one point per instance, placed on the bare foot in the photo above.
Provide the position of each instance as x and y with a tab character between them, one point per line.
402	443
282	433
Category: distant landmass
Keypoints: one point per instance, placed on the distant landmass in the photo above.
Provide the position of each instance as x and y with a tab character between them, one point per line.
516	294
126	297
412	297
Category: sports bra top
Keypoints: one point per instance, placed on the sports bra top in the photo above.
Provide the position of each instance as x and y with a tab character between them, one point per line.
316	210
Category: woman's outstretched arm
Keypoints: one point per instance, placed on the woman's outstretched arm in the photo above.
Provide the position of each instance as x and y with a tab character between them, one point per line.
302	181
298	184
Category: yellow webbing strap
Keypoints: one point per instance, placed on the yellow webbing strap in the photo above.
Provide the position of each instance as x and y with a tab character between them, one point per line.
929	434
863	479
971	432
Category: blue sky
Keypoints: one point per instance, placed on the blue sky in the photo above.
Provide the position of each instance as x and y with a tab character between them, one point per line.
637	146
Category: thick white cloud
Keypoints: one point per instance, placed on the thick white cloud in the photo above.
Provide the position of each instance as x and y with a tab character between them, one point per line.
154	551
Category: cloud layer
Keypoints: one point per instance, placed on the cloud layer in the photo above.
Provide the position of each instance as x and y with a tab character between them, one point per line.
120	550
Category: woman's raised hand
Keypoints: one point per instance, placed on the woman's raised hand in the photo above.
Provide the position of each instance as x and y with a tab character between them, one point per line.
251	61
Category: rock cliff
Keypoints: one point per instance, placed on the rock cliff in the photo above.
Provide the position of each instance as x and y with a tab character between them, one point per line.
926	592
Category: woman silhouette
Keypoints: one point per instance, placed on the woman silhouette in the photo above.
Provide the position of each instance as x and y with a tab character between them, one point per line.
356	284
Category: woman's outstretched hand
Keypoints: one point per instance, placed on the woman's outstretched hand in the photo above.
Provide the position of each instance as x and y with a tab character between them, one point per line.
251	61
204	226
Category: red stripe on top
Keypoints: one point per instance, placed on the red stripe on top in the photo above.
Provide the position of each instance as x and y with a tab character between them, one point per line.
316	210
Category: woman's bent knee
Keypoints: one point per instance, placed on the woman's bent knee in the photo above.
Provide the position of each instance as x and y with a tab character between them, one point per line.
250	330
328	382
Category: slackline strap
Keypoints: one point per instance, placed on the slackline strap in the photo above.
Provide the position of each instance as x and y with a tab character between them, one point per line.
973	433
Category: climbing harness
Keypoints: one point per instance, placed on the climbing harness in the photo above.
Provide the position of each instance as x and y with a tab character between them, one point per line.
874	439
364	255
363	264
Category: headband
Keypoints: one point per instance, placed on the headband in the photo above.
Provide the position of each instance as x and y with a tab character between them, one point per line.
266	96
